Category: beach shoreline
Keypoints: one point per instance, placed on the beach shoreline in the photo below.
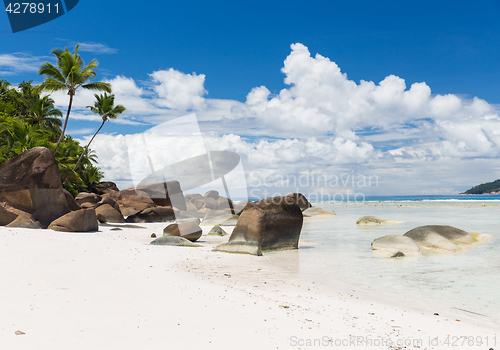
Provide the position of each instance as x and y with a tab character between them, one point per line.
111	290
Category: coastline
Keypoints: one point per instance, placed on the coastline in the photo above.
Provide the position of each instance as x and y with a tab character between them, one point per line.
111	290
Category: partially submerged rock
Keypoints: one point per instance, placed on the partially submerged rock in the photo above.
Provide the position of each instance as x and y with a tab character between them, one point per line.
240	247
301	200
392	246
370	220
315	211
174	241
274	223
444	238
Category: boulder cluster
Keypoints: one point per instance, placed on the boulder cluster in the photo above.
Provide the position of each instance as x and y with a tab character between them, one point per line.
32	196
431	238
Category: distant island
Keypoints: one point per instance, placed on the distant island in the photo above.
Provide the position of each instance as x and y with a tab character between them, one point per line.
487	188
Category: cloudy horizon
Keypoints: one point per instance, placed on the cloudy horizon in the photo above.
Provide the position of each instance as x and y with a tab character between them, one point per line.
321	123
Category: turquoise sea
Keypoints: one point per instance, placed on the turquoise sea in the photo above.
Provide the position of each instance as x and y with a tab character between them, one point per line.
467	283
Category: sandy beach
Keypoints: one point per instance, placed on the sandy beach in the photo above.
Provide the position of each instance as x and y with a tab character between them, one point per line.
112	290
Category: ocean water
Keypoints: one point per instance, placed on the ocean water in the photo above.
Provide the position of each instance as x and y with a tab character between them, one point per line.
342	251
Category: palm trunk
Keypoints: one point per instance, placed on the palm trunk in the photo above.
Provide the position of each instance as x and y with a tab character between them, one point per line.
87	147
65	123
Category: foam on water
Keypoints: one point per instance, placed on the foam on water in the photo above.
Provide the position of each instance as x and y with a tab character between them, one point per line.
468	281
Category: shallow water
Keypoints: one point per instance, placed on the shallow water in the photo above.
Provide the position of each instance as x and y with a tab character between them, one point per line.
468	281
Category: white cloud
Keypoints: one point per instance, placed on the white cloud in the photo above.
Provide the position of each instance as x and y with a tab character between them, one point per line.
322	122
177	90
18	62
97	48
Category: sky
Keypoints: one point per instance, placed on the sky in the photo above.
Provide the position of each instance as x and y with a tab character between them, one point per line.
329	92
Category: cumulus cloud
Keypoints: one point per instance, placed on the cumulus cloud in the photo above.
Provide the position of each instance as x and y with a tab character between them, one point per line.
321	122
177	90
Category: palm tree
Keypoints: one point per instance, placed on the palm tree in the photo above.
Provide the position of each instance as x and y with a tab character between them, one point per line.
105	107
45	115
69	75
4	86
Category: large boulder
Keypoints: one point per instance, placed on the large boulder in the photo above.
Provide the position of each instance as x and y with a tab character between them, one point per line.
301	200
131	201
87	197
71	202
31	182
104	187
107	199
83	220
225	203
444	238
393	246
240	206
212	194
186	229
167	193
109	213
155	214
274	223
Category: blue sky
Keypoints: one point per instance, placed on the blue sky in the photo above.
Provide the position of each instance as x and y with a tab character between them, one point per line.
221	52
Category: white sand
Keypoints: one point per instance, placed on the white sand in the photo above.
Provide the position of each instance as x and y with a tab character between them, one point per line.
112	290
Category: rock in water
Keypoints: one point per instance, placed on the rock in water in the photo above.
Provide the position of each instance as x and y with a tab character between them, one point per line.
174	241
395	246
83	220
370	220
301	200
315	211
31	182
444	238
274	223
186	229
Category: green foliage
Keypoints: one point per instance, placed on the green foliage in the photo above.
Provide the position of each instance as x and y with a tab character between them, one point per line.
69	75
485	188
28	120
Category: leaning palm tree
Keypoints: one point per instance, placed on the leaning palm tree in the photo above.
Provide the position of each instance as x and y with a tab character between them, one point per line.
105	107
69	75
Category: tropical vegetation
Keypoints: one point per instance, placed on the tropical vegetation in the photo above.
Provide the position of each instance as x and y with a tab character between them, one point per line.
29	118
488	187
69	75
104	106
